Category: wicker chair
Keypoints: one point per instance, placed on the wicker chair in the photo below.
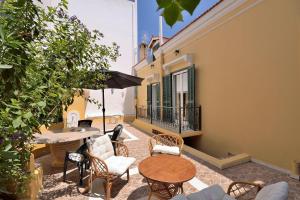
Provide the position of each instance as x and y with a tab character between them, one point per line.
241	191
102	165
166	143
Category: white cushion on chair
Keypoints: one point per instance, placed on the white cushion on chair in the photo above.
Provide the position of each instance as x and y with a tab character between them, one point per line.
277	191
118	165
227	197
214	192
101	147
166	149
179	197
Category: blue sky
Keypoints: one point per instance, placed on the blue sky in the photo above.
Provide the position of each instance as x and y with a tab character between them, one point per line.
148	19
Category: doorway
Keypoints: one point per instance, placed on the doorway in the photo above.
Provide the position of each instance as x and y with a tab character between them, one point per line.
180	95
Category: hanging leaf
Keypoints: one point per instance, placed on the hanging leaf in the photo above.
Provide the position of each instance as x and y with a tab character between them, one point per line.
180	17
163	3
189	5
171	13
172	9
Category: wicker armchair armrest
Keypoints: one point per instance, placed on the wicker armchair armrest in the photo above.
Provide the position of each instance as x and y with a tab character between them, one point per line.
151	145
121	149
241	188
99	167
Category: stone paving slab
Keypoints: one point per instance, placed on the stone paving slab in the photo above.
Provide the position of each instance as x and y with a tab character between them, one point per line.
137	188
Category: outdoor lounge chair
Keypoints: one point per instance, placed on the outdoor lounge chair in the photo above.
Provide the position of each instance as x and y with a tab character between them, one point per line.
237	190
116	132
85	123
79	157
166	144
104	164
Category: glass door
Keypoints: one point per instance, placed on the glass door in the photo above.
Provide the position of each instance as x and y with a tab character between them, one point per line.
155	101
180	95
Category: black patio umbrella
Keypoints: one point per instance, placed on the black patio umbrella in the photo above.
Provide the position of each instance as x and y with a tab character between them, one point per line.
117	80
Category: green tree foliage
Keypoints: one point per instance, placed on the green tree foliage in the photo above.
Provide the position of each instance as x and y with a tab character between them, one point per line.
46	58
172	9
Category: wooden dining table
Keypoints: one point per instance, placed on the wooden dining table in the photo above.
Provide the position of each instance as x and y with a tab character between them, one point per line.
62	140
165	174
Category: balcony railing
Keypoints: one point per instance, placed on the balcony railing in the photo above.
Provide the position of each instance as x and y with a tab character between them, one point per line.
177	119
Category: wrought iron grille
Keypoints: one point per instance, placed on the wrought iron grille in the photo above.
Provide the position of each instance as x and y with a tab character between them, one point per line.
177	119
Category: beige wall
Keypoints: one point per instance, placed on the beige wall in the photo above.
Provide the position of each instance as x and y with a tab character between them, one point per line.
248	82
144	73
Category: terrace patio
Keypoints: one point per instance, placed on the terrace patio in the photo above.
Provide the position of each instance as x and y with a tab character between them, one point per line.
137	189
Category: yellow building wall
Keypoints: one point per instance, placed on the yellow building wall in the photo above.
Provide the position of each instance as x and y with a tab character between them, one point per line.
144	73
248	82
79	105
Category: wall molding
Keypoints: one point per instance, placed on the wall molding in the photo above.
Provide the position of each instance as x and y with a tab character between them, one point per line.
192	31
224	8
185	58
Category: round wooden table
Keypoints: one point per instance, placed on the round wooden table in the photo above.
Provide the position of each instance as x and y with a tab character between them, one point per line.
62	140
165	174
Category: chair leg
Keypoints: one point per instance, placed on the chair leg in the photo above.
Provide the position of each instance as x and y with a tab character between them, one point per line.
65	169
89	184
108	190
150	194
81	173
127	175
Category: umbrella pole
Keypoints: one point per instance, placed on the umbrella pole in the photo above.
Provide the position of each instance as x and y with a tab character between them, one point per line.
103	110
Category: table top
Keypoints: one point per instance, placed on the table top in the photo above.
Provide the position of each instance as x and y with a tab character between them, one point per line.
65	135
167	169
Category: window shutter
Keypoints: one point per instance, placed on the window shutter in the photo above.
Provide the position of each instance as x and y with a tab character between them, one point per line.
149	99
191	97
167	97
158	100
191	86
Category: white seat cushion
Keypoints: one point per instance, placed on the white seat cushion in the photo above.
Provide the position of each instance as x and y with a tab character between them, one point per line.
214	192
227	197
118	165
173	150
101	147
277	191
179	197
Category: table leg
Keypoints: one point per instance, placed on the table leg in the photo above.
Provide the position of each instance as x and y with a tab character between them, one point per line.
181	187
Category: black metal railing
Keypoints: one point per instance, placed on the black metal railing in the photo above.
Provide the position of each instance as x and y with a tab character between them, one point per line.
178	119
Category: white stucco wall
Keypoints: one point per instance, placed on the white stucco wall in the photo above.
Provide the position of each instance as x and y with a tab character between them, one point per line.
117	20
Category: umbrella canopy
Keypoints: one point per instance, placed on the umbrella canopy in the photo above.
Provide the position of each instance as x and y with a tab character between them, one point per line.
120	80
117	80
